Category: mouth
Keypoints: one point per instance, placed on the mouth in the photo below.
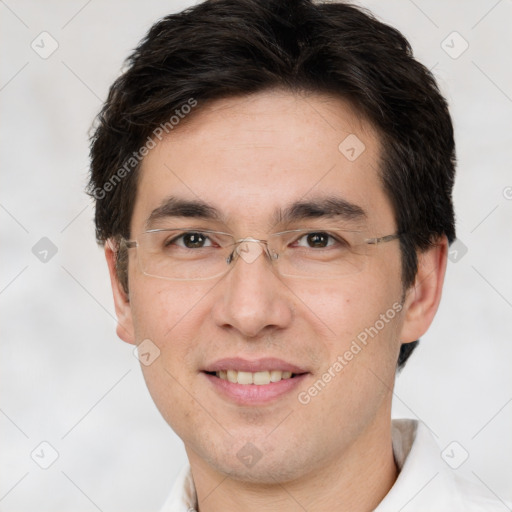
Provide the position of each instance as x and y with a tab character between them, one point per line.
254	382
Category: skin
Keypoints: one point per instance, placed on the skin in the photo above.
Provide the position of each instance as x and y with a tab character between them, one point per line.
248	156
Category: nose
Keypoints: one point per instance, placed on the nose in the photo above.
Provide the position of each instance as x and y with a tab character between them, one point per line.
253	298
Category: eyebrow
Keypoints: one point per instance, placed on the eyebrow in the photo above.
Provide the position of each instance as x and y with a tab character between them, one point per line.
329	207
322	207
175	207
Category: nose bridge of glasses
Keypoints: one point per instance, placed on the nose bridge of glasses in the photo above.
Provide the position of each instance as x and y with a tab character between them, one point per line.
249	248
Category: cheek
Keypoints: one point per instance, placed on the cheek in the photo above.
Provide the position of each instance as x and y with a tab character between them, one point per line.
161	308
170	314
346	307
358	369
363	319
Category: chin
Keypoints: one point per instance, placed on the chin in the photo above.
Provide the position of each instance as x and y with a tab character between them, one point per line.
258	462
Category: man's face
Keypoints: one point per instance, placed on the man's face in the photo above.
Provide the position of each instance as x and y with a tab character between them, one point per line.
250	158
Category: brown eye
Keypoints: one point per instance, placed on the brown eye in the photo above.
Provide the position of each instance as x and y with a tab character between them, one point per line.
317	240
189	240
320	240
194	240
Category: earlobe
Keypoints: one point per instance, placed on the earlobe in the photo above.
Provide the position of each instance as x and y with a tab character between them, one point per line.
122	304
423	298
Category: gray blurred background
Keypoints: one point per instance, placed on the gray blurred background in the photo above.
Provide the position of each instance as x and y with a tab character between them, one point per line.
69	383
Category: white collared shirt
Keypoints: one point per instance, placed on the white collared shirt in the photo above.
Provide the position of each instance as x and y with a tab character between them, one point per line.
425	482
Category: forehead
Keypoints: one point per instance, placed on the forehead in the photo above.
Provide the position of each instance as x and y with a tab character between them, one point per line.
251	156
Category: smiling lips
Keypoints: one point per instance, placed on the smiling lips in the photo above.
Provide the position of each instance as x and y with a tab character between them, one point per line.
254	383
259	372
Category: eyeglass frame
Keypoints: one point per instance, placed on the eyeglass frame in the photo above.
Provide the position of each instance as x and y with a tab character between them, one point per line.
133	244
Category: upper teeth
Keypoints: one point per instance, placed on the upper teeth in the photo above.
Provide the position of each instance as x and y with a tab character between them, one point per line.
258	378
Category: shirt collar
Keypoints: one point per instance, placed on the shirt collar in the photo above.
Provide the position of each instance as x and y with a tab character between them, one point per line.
424	481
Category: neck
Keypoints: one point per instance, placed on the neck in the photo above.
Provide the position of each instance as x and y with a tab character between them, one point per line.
355	480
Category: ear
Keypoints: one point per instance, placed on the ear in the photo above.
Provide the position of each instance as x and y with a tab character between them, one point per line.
422	299
124	328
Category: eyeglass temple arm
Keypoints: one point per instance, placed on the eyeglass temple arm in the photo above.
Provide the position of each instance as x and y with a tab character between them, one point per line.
382	239
129	244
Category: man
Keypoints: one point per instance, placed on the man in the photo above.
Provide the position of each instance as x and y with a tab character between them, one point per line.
273	188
